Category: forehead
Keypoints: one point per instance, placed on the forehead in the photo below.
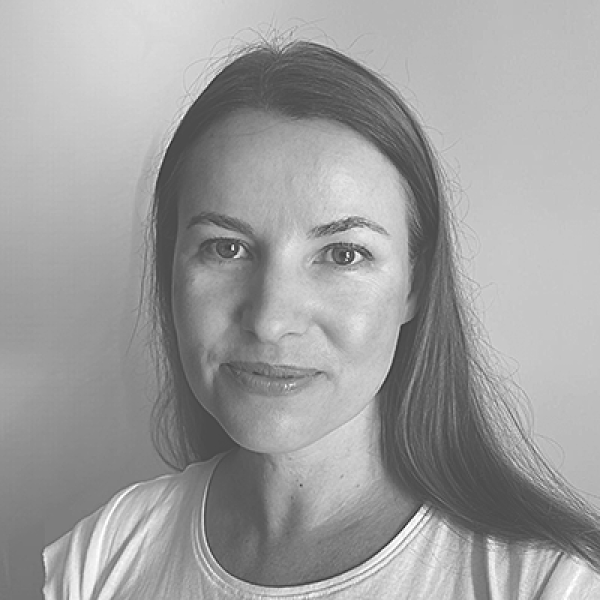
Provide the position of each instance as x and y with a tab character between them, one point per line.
254	163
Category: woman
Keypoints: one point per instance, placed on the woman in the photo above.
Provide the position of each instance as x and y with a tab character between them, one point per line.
340	435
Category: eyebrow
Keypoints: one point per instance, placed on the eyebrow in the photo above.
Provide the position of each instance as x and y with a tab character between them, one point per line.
222	221
346	224
337	226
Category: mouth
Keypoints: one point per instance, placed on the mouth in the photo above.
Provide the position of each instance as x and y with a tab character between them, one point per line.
273	371
269	380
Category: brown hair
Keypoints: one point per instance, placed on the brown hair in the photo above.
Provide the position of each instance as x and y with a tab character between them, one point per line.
448	430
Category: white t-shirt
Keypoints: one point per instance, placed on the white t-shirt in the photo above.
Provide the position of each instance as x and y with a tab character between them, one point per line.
145	544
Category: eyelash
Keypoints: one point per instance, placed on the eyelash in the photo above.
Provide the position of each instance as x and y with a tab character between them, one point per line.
208	248
366	255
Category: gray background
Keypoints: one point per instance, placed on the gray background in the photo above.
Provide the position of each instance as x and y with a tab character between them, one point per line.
90	90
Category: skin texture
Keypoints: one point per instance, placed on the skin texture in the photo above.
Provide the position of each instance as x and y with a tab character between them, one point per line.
277	291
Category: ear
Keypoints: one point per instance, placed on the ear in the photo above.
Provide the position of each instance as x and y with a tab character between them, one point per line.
417	283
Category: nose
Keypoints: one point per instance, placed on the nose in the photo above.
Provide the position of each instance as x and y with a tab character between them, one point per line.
276	305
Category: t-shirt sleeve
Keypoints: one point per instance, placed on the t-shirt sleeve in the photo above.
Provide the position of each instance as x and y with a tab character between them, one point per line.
120	550
572	579
74	563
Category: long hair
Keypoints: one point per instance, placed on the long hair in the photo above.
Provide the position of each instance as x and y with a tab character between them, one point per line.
449	432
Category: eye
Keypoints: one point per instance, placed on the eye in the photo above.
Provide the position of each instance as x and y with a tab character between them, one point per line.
225	249
346	255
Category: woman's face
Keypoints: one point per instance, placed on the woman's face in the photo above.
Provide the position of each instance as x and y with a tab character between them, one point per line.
291	277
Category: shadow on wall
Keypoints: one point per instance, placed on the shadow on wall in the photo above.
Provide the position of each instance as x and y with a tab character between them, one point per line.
75	426
22	574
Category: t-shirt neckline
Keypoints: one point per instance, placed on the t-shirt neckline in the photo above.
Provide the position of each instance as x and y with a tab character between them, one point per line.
244	589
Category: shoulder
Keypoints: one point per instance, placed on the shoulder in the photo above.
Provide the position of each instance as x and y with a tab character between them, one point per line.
146	504
133	520
571	578
547	572
495	568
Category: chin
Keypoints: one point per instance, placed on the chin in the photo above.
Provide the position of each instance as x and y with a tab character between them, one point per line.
267	435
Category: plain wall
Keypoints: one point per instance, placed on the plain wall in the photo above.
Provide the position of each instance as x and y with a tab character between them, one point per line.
510	94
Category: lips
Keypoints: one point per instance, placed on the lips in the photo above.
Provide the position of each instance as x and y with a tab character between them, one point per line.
267	379
274	371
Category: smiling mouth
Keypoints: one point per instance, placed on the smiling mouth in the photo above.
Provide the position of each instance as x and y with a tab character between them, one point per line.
269	380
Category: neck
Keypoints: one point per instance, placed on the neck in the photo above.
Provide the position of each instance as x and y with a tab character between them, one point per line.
324	487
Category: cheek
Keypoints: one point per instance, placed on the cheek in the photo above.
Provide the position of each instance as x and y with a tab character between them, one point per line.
200	317
367	326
